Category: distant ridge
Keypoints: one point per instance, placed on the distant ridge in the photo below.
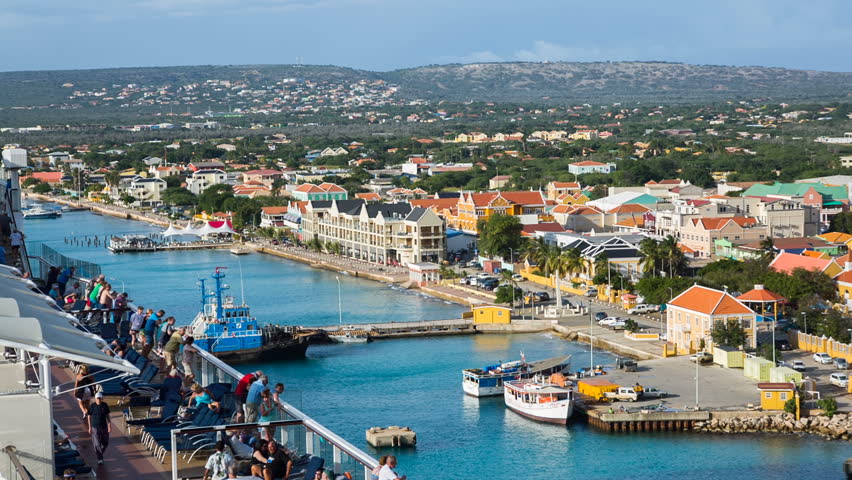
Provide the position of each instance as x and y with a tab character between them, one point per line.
549	82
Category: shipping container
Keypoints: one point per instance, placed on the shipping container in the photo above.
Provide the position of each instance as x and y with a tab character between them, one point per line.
784	375
757	368
728	357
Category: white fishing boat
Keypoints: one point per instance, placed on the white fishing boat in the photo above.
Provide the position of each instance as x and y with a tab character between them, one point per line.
240	251
543	399
488	380
350	334
39	212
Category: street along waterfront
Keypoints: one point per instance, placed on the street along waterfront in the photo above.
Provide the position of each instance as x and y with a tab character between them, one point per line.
416	382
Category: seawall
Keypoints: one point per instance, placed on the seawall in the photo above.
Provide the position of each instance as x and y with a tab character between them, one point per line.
613	347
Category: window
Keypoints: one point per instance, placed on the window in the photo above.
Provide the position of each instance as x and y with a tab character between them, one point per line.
500	313
767	395
784	396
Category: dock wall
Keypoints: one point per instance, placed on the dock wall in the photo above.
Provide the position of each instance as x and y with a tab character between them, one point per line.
604	344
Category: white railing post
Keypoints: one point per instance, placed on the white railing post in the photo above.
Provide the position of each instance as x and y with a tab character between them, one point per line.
309	442
174	456
338	460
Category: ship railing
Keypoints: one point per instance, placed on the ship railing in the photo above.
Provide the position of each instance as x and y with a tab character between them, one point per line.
303	435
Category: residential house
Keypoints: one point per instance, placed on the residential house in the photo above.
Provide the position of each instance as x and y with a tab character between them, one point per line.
787	262
252	189
388	234
162	172
691	315
625	198
201	180
627	215
828	199
844	284
557	189
369	197
264	176
499	181
529	206
333	152
147	191
227	147
324	191
73	164
206	165
56	158
589	166
700	234
584	134
621	251
579	218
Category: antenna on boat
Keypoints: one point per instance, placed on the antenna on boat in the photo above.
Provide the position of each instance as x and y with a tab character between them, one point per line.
242	289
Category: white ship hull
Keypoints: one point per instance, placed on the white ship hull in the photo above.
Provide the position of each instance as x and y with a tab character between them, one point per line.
349	338
556	411
474	390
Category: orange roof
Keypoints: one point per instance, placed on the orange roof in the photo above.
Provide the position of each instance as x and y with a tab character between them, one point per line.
716	223
709	301
630	208
786	262
632	221
46	177
584	210
524	198
435	203
562	208
835	237
685	249
369	196
332	187
274	210
814	254
844	277
308	188
842	260
565	184
588	163
760	294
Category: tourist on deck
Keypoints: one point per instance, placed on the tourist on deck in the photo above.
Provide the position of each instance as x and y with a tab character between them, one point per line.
217	464
137	323
150	330
55	294
259	458
95	292
120	306
172	347
374	475
16	239
64	277
166	330
99	426
387	472
277	392
105	299
52	276
241	392
268	413
83	389
278	464
201	396
188	357
253	398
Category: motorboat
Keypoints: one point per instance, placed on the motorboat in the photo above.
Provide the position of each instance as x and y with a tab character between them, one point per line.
488	380
349	334
544	399
240	251
39	212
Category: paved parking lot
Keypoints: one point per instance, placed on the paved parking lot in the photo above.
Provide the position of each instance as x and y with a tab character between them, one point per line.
820	373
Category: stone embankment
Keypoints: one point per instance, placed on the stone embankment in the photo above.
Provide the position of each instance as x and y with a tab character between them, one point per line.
838	427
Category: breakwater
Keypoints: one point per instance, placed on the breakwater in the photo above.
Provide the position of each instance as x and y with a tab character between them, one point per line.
838	427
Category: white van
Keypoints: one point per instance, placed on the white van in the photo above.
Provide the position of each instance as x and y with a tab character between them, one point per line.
839	380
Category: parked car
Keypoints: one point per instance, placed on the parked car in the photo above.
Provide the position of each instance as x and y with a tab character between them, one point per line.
839	380
841	363
641	308
618	325
701	357
608	320
473	264
542	296
628	364
823	358
468	280
592	292
783	345
654	392
483	275
517	277
798	365
600	316
489	283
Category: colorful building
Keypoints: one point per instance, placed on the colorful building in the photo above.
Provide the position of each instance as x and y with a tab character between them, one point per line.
787	262
765	303
773	396
487	313
325	191
472	207
691	315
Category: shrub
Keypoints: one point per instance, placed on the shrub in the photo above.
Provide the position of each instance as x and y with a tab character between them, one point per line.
790	406
828	406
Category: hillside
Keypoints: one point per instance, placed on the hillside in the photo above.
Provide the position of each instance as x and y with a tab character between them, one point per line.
139	94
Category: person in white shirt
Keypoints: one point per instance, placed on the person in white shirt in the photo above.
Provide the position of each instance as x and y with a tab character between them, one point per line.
387	472
218	463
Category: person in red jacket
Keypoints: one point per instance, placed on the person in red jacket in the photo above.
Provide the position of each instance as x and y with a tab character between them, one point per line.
241	392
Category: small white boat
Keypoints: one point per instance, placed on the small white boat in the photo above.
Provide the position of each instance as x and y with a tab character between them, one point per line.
240	251
545	400
488	380
350	334
39	212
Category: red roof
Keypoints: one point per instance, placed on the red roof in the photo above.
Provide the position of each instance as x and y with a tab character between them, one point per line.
369	196
716	223
775	386
46	177
565	184
274	210
264	172
630	208
524	197
709	301
786	262
588	163
543	227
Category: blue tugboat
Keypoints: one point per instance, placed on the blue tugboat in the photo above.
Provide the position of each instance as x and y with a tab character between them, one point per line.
228	330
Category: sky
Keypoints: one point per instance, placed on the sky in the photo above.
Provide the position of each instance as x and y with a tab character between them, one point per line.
390	34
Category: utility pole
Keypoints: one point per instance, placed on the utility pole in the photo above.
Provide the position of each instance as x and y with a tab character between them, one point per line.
591	339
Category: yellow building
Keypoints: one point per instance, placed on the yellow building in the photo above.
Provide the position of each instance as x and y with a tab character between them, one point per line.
773	396
473	207
487	313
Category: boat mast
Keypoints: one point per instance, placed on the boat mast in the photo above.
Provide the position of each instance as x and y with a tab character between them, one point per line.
203	294
218	276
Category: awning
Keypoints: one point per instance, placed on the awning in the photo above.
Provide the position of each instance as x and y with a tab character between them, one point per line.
23	307
47	338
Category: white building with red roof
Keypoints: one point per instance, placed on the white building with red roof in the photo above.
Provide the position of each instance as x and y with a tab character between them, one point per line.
324	191
690	318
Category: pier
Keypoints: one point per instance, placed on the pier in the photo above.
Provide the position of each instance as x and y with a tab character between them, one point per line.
643	420
410	329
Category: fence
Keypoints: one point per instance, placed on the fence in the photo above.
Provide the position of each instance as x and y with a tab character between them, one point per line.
50	256
816	344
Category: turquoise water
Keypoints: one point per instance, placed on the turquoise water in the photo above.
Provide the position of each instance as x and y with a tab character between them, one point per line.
416	382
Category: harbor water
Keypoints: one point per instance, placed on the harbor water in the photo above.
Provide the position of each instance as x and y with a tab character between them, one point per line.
416	382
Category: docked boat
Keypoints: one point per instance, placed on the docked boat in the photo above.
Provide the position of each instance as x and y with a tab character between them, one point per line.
488	381
240	251
227	330
545	399
39	212
132	243
349	334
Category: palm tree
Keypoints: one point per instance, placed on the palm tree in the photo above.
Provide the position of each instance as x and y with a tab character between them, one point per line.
601	265
672	255
555	264
652	253
767	246
575	264
536	251
506	279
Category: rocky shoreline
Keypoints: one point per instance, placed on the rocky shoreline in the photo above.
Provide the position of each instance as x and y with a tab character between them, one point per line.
838	427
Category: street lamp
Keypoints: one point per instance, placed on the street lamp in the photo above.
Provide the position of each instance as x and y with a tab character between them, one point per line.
805	314
591	340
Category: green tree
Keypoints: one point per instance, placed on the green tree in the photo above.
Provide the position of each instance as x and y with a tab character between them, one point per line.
213	198
842	222
499	235
535	250
127	199
504	294
767	349
178	196
652	256
601	269
43	188
173	181
828	406
30	182
730	333
631	326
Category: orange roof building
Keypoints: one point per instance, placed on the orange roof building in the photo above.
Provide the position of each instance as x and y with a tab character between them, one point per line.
691	315
786	262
